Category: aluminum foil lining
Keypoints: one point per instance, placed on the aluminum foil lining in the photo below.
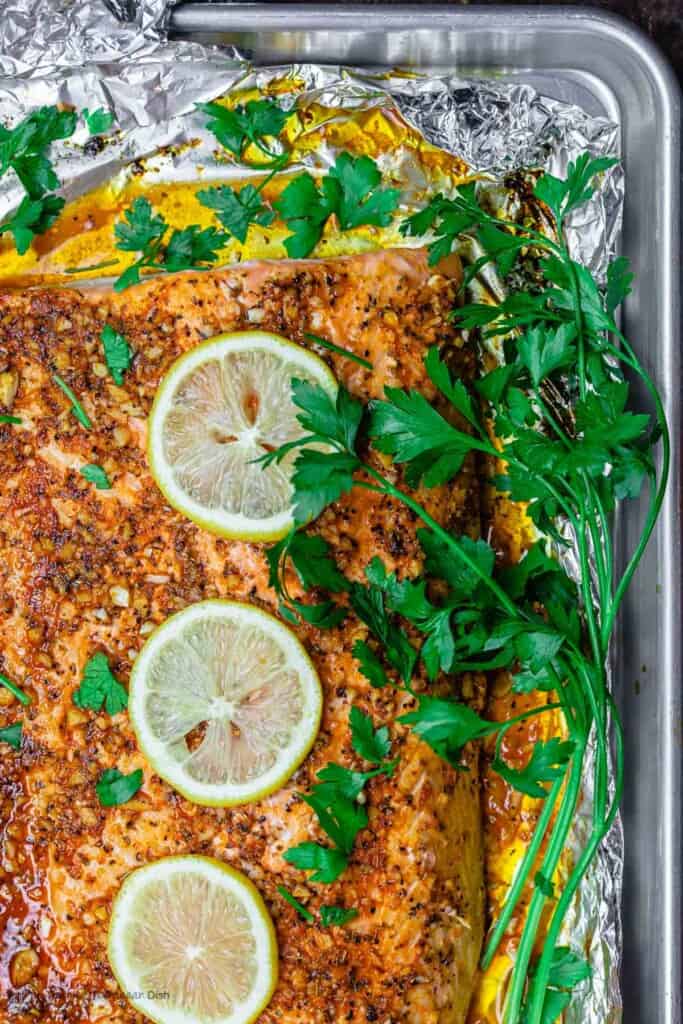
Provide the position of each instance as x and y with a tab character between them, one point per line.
116	55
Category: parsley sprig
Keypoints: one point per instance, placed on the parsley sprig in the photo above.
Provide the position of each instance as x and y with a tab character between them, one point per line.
145	232
350	190
240	129
238	209
99	120
334	800
24	149
555	413
248	125
96	475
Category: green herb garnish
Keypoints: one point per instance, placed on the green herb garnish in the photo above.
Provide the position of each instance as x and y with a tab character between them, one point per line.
6	418
293	901
253	123
32	217
94	474
310	557
347	353
146	232
334	799
548	762
98	121
117	353
99	687
114	788
350	189
572	447
336	915
329	915
567	970
76	407
326	863
11	734
91	266
372	744
24	147
22	697
237	209
24	150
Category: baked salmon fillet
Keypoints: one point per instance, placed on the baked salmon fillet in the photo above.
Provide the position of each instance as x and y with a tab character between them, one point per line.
84	570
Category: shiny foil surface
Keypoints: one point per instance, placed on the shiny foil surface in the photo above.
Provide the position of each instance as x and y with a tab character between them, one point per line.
116	55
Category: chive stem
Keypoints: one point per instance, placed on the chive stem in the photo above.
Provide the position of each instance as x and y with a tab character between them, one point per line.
317	340
76	407
22	697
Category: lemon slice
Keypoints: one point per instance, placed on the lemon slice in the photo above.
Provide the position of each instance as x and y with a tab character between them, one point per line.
225	702
221	406
191	942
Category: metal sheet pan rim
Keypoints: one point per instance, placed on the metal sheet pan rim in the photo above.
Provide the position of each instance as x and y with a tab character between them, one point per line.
192	17
615	35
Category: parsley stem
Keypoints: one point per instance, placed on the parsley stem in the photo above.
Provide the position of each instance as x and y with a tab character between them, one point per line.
443	535
600	538
604	574
578	320
607	546
551	859
657	495
601	544
559	838
551	418
22	697
521	875
604	570
576	728
519	229
587	591
278	160
581	376
599	710
540	981
604	585
552	490
269	177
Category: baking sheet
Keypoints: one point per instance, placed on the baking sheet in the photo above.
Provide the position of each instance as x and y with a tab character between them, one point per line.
494	126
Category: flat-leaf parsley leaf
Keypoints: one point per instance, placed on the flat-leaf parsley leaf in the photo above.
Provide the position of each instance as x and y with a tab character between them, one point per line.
94	474
99	686
115	788
117	353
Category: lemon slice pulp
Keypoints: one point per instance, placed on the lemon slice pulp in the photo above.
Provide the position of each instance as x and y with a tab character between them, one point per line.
221	407
225	702
191	942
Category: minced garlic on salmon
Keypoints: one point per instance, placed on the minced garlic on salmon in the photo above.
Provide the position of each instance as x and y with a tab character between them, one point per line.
84	570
